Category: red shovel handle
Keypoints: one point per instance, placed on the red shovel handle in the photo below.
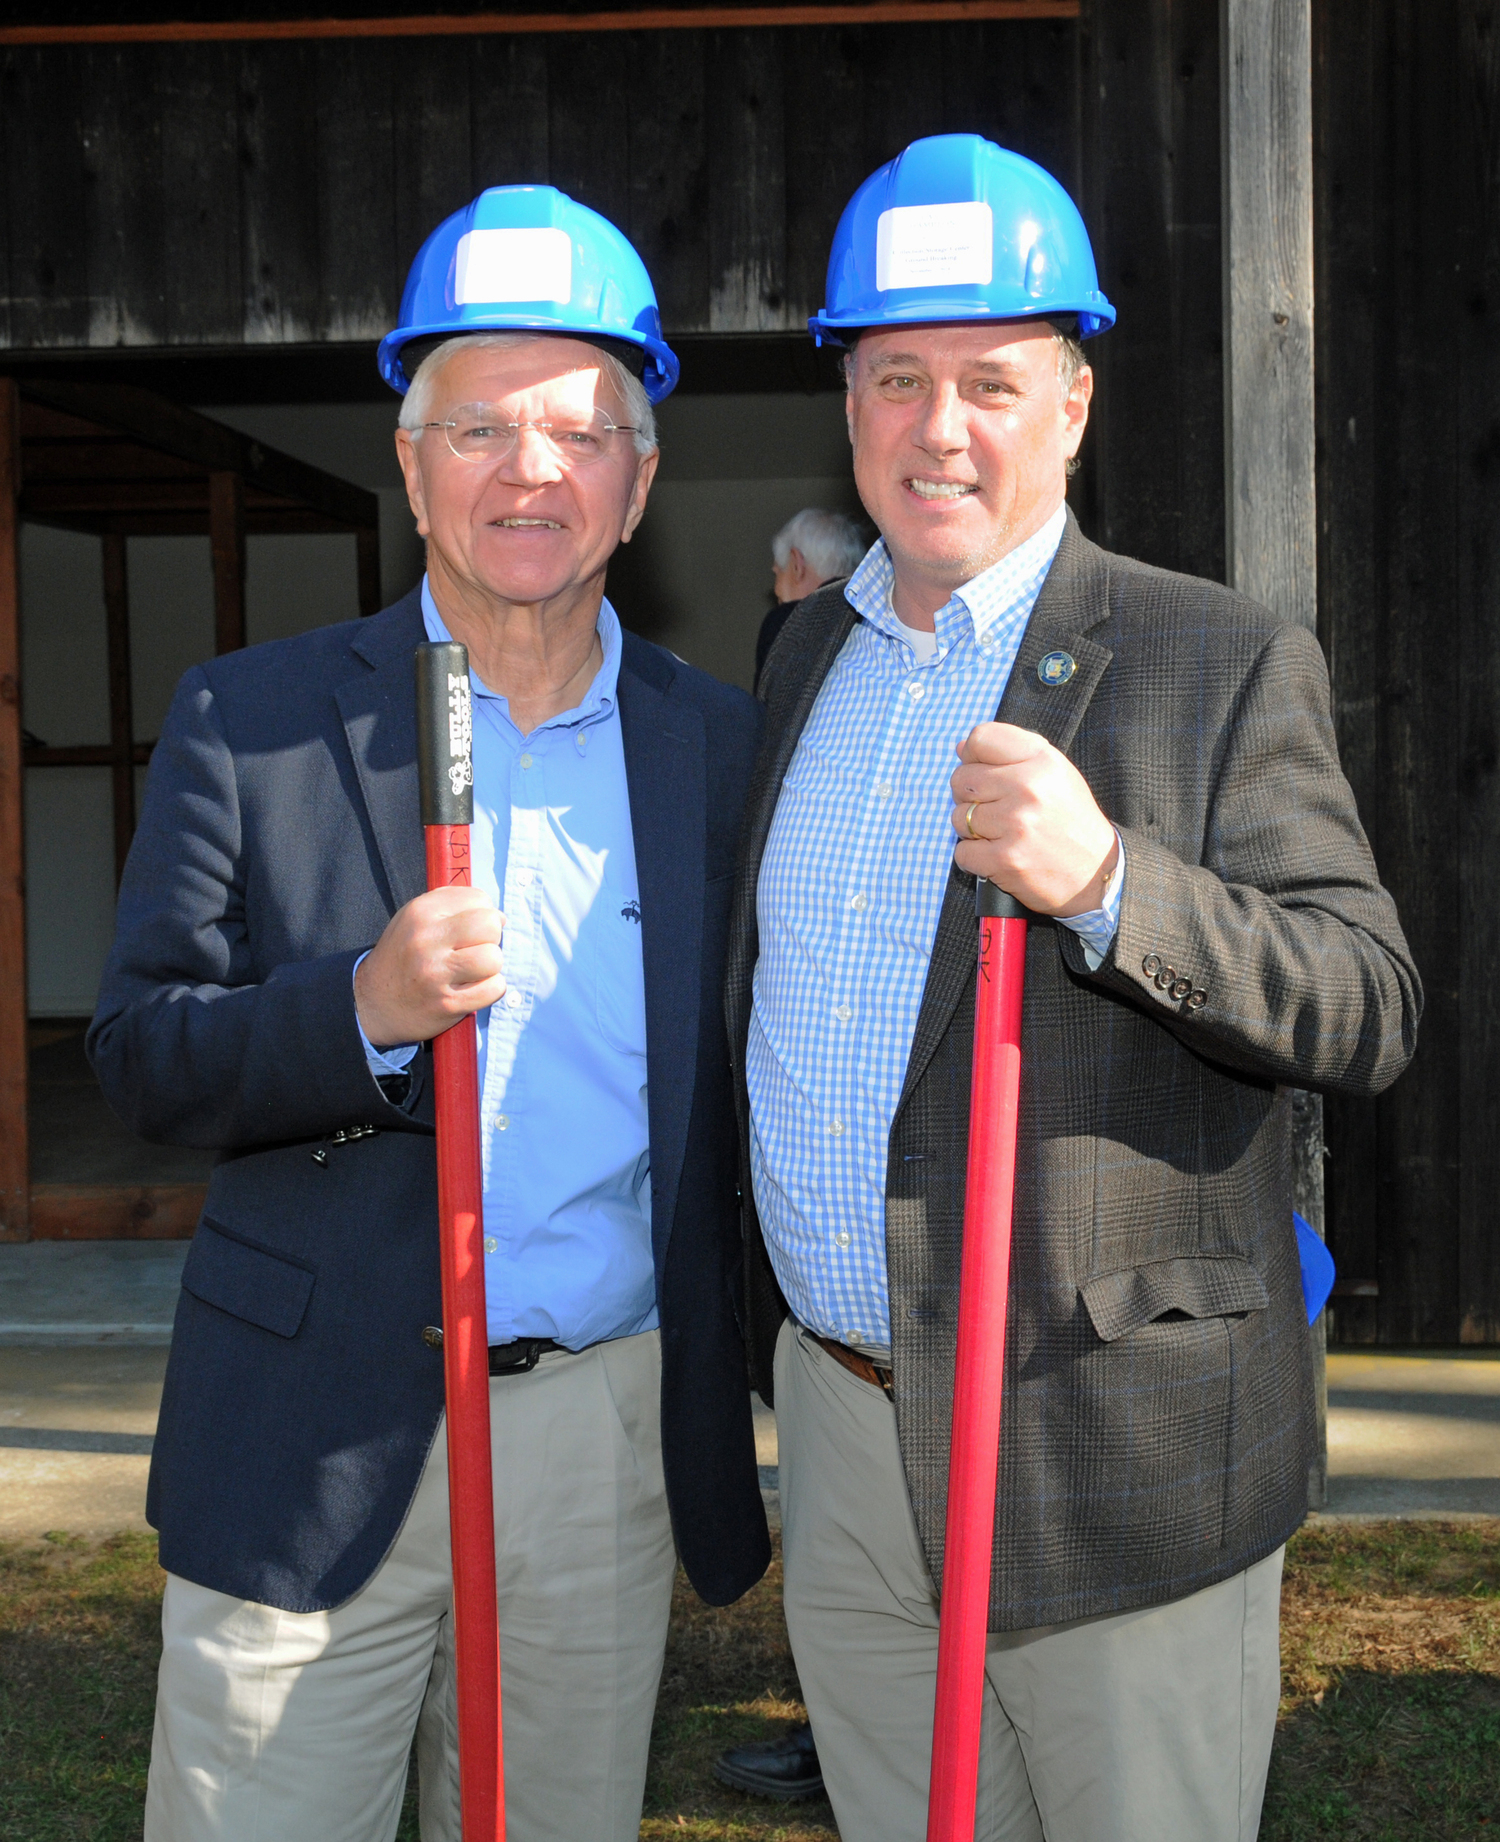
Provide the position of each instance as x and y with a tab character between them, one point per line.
979	1369
446	774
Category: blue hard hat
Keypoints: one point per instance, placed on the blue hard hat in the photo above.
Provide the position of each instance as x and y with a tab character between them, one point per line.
957	228
529	258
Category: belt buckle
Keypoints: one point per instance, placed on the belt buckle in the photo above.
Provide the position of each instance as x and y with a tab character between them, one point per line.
526	1361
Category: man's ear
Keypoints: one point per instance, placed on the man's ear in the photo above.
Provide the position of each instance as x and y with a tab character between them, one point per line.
1076	410
645	473
411	472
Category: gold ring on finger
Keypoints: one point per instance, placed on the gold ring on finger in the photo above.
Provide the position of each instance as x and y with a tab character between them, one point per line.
969	823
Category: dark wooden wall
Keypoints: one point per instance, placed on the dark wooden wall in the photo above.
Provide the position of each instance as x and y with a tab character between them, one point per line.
220	195
242	197
1408	210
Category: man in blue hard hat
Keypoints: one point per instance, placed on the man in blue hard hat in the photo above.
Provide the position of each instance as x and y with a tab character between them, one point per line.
1147	763
277	979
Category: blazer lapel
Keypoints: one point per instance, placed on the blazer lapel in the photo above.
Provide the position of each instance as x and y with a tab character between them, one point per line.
665	771
380	721
1074	597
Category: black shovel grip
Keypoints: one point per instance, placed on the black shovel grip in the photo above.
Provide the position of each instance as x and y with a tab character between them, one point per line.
991	903
445	730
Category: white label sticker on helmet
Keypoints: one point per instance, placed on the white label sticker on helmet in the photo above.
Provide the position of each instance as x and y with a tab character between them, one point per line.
934	246
513	265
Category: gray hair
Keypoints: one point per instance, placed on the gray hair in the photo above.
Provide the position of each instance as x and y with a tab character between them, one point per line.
416	405
830	542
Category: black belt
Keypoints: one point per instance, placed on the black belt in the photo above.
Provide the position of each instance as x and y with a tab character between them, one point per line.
516	1358
506	1358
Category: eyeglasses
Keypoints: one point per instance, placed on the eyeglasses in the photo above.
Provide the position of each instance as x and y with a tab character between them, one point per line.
484	432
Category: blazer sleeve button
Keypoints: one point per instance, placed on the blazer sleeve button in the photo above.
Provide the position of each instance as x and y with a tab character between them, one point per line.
1164	978
1151	965
1181	988
1196	1000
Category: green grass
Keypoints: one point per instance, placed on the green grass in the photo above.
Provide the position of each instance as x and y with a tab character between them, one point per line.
79	1638
1390	1710
1390	1721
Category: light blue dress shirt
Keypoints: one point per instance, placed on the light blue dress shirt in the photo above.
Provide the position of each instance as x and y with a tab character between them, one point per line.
851	885
562	1057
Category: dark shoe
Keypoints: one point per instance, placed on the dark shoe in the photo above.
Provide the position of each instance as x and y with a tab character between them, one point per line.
786	1768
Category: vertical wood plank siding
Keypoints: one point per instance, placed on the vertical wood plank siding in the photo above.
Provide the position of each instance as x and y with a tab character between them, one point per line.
1407	113
236	195
233	195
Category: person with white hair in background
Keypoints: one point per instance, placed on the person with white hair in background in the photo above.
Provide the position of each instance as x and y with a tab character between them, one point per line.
808	552
279	973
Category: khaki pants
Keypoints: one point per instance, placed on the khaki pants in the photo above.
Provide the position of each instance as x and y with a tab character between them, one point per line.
1145	1726
279	1726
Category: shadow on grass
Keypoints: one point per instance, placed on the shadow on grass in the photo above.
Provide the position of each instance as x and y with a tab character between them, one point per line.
1393	1757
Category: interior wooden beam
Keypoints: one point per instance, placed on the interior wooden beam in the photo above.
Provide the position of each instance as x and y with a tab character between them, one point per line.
121	714
87	754
115	1211
226	532
209	446
472	25
15	1194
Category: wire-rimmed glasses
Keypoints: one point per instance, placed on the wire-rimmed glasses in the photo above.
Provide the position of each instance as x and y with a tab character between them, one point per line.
485	432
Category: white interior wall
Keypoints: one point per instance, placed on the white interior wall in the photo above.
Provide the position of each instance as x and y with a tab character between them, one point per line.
696	579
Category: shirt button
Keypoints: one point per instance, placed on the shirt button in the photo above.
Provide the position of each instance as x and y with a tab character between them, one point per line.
524	878
513	1000
860	903
501	1122
490	1244
916	692
883	790
842	1238
526	761
836	1127
853	1336
583	737
843	1012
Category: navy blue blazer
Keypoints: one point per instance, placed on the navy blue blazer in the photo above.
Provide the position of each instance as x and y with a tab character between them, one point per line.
280	833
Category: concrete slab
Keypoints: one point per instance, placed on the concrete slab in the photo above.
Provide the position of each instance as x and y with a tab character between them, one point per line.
84	1328
75	1437
68	1293
1414	1433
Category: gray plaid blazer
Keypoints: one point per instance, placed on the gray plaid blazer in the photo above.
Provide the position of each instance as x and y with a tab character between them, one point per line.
1158	1420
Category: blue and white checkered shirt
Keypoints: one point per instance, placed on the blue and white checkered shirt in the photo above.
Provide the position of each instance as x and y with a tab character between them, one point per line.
850	890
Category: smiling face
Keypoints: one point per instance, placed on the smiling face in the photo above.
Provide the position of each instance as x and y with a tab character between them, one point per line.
962	435
529	529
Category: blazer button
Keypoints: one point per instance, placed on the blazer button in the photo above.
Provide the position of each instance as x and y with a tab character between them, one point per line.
1196	1000
1151	965
1181	988
1164	978
432	1336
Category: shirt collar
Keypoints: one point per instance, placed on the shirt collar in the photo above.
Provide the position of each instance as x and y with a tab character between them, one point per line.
1001	589
598	701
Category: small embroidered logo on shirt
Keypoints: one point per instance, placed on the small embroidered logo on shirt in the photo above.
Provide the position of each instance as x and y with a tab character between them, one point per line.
631	912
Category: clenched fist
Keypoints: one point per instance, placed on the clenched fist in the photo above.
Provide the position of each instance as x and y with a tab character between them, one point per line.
438	960
1028	821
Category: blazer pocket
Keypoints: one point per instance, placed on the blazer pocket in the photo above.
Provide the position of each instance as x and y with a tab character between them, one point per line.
251	1282
1199	1286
